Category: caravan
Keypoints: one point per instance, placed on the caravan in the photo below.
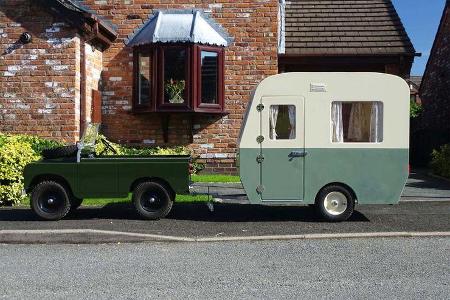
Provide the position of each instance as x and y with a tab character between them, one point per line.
326	139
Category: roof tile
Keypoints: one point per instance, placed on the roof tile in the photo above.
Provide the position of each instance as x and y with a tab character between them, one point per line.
344	27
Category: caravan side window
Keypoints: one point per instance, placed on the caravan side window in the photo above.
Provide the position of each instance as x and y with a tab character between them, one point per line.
282	122
357	122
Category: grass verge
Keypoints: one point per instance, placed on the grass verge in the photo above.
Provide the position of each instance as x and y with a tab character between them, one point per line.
216	178
106	201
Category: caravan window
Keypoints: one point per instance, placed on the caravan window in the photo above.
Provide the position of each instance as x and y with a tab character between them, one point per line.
357	122
282	122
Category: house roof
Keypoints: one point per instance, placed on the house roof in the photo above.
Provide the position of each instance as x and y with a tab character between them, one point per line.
94	27
167	26
338	27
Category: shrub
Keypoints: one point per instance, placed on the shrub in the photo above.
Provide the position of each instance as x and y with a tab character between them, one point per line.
414	109
15	153
440	162
124	150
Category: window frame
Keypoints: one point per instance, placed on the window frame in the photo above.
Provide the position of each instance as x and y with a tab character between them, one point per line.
193	79
199	105
161	105
353	143
136	106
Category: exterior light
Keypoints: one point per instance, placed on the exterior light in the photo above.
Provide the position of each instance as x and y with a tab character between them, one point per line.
25	38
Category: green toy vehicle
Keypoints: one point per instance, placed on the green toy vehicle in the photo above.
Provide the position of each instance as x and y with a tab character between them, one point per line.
59	182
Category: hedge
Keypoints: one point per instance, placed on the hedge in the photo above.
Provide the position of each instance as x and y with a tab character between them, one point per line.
16	151
440	162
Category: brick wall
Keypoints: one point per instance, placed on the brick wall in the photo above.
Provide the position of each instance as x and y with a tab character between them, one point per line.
435	89
39	92
432	128
251	58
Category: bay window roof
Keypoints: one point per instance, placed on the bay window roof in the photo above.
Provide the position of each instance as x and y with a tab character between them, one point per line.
180	26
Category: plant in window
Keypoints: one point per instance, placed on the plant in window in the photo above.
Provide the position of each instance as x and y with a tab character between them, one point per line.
175	89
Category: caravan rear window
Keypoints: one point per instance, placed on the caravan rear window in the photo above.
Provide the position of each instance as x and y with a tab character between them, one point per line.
357	122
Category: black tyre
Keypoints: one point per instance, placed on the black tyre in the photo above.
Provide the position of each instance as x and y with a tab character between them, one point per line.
335	203
75	202
58	152
50	200
152	200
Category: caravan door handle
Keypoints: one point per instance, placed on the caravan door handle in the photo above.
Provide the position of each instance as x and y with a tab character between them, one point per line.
298	154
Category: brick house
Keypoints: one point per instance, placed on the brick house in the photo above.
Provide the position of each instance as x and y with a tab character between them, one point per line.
434	126
176	72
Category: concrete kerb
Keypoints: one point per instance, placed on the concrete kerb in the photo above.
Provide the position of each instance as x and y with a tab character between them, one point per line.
92	236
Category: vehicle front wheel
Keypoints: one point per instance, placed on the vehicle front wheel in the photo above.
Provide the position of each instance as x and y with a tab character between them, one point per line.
50	200
335	203
152	200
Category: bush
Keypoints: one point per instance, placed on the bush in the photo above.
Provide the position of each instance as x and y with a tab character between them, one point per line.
440	162
15	153
414	109
124	150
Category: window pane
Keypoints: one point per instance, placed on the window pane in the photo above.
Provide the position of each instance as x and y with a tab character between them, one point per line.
282	122
144	80
174	75
209	73
357	122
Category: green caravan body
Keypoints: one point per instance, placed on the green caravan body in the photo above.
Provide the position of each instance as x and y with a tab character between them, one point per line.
324	144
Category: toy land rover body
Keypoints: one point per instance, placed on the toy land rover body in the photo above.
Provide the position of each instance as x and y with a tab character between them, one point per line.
306	132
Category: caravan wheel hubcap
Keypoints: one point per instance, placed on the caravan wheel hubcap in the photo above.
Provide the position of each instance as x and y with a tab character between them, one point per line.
335	203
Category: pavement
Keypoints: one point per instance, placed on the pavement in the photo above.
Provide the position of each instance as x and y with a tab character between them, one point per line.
424	210
387	268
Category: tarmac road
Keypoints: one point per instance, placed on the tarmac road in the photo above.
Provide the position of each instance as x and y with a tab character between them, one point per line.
228	220
308	269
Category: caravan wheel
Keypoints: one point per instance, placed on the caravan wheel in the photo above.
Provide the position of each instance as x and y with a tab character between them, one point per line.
335	203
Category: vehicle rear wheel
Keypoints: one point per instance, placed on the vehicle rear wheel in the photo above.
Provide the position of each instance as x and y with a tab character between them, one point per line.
335	203
152	200
50	200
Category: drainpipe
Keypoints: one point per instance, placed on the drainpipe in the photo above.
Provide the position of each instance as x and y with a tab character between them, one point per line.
281	26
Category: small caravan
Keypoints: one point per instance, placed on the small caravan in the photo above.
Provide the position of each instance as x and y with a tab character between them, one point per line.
328	139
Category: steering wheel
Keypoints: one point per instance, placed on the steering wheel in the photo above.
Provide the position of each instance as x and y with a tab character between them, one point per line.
107	147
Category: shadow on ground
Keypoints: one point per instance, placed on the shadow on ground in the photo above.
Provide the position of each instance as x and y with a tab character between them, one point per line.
420	180
188	212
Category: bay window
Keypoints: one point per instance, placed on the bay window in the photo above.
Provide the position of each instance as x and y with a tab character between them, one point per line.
178	78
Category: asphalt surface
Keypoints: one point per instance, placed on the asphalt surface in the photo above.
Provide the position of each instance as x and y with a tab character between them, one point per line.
314	269
241	220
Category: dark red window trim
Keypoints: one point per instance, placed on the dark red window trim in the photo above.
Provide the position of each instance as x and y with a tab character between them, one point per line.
193	80
199	105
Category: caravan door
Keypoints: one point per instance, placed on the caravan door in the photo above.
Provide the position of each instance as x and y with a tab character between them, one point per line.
283	153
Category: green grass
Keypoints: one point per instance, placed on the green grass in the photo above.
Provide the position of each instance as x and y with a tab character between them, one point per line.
105	201
216	178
